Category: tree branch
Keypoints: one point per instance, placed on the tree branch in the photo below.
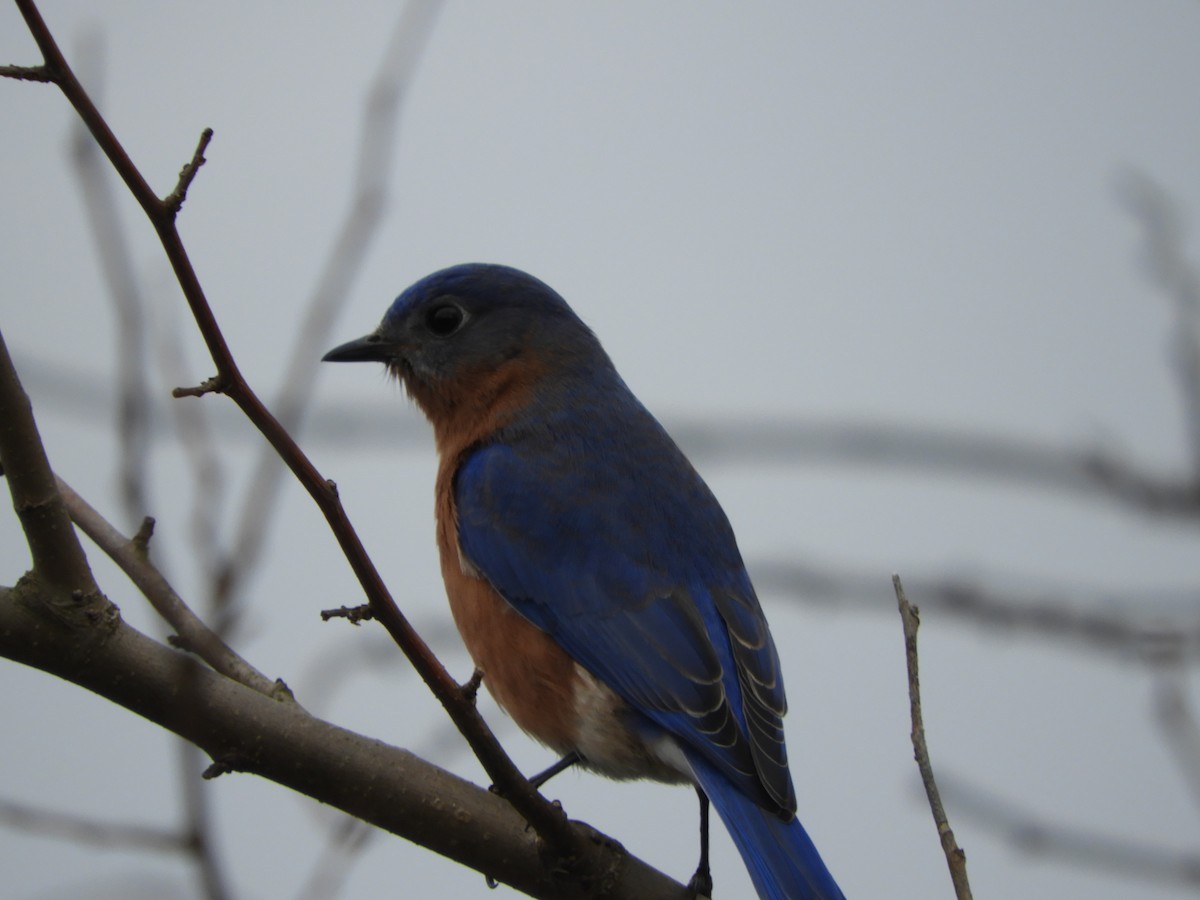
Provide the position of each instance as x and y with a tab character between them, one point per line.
117	267
1176	719
956	859
97	832
132	556
247	732
1179	280
547	820
174	200
26	73
58	559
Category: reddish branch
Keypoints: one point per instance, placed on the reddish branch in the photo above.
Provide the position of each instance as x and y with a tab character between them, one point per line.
549	821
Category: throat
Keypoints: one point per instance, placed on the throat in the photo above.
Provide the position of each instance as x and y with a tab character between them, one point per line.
475	405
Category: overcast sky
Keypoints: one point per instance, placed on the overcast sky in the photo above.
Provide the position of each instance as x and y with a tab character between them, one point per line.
909	215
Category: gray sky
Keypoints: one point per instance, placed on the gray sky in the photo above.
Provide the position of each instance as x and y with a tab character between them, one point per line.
908	214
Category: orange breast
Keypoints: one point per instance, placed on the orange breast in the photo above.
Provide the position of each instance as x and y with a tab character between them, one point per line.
527	672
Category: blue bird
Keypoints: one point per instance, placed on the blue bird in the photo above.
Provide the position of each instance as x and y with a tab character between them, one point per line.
593	576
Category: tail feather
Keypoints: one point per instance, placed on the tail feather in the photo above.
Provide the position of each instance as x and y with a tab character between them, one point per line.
782	860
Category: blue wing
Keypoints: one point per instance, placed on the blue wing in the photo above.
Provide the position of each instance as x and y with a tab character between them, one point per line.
598	530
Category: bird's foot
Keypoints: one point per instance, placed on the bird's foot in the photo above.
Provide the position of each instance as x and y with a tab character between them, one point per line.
701	884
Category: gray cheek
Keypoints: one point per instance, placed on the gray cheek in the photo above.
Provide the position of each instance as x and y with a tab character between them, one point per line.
423	369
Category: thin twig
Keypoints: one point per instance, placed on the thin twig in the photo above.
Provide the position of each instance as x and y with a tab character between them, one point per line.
355	615
196	437
27	73
174	200
956	859
97	832
1177	720
1179	280
347	840
117	267
129	554
200	827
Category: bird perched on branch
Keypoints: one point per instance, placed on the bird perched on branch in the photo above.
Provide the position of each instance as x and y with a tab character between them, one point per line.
593	576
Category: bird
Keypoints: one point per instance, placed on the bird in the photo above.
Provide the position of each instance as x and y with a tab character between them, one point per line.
593	576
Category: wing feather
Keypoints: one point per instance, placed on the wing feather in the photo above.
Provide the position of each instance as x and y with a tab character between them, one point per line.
629	563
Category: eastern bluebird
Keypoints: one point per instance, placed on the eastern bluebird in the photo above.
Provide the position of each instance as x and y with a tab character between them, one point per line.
593	576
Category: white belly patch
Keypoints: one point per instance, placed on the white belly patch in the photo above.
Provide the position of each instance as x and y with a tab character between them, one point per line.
610	746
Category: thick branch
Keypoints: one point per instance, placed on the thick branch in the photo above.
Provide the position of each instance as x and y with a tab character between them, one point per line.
244	731
58	558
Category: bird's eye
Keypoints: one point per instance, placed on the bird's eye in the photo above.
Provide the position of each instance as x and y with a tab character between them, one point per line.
445	319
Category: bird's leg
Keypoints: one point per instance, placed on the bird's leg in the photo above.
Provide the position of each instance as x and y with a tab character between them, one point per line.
562	765
701	884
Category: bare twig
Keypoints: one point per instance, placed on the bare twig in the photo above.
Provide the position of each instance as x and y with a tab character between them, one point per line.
198	439
174	200
1177	720
215	385
200	828
348	838
355	615
1176	277
27	73
130	555
956	859
97	832
116	265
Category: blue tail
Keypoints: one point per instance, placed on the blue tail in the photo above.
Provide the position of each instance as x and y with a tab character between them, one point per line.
782	860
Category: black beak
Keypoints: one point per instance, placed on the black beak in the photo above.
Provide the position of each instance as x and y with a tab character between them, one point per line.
371	348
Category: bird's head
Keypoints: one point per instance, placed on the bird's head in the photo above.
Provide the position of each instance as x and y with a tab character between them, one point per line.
467	338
